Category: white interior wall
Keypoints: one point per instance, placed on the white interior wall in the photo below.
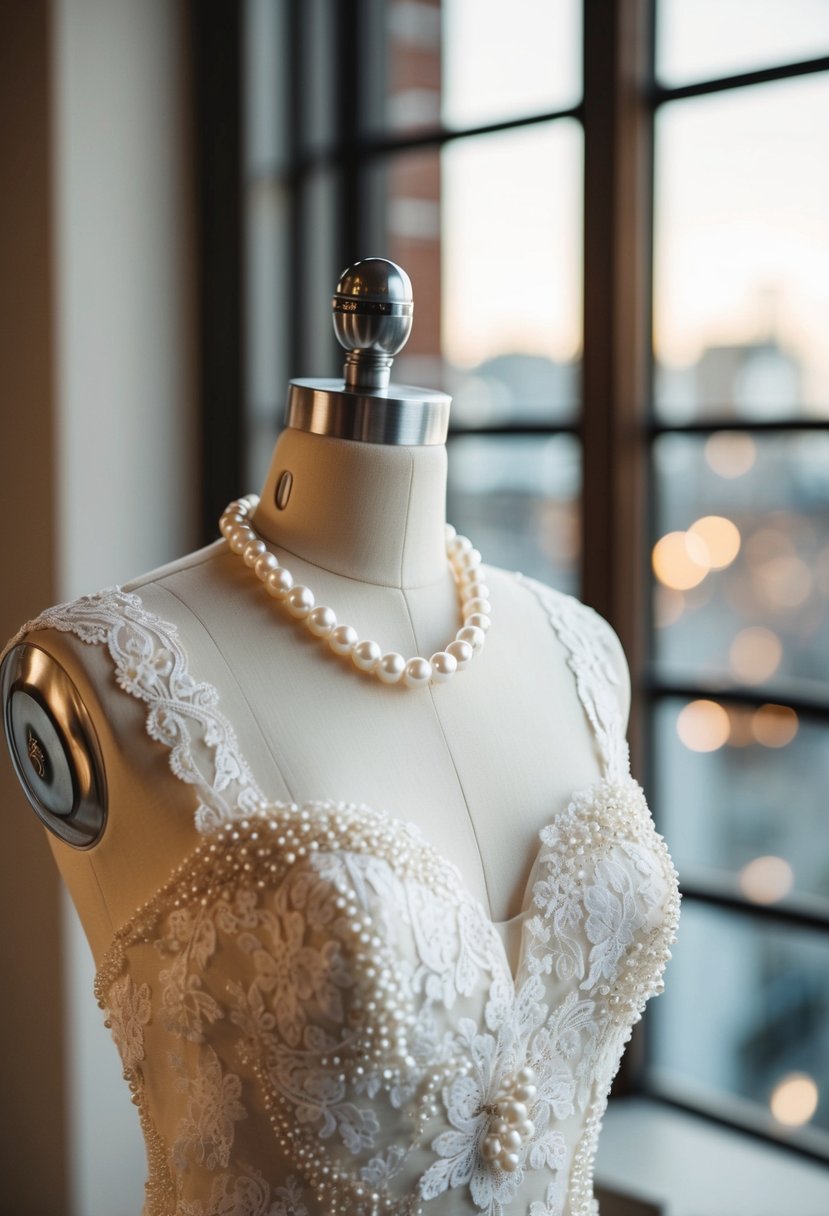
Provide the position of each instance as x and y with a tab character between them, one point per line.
125	430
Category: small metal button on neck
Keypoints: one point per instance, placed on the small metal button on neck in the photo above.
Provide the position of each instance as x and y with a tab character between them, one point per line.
373	311
283	489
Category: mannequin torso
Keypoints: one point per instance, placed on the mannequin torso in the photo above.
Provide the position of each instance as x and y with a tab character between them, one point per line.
379	947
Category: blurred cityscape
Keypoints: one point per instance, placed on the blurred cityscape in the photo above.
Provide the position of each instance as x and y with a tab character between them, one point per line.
741	587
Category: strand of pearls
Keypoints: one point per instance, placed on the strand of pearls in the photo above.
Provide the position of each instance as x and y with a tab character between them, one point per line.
320	620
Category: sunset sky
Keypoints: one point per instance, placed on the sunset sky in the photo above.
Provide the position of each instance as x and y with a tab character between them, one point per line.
742	185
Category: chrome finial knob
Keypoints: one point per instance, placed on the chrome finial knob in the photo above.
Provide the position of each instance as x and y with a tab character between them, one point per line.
373	310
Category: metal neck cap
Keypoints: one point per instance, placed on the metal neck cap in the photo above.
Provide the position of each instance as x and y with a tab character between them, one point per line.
373	309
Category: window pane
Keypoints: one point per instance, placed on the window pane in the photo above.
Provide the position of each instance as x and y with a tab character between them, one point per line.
742	797
512	273
704	39
465	63
266	335
317	74
496	270
265	95
517	500
745	1014
507	60
741	560
321	269
741	280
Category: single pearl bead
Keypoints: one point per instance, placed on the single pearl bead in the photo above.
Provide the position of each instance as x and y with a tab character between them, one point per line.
444	666
471	634
469	559
343	639
512	1140
264	565
510	1162
462	653
480	621
527	1075
475	591
366	655
418	672
253	551
457	545
491	1148
450	533
477	605
321	621
279	583
516	1112
390	668
527	1129
524	1092
300	601
239	537
229	521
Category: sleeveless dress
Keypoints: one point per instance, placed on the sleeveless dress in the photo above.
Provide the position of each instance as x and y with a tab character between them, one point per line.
315	1016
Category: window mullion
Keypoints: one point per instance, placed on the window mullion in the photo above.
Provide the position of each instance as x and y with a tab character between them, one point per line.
618	73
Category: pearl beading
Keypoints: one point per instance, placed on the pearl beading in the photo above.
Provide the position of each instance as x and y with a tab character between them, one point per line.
259	851
366	655
614	815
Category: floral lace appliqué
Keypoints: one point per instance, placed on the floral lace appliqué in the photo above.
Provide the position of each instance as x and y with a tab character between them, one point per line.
128	1014
213	1107
150	664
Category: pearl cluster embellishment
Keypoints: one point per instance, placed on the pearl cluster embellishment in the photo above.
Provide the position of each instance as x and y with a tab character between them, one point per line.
510	1128
367	655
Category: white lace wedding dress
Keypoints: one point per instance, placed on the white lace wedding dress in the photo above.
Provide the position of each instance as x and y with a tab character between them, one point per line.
315	1016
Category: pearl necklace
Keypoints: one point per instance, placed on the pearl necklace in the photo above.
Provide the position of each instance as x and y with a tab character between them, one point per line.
366	655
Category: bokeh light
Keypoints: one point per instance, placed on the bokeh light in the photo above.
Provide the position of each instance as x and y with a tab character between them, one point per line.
765	880
721	538
755	654
730	453
794	1099
783	581
774	725
703	726
680	560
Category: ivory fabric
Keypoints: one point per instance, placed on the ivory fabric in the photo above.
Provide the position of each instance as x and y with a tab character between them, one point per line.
316	1012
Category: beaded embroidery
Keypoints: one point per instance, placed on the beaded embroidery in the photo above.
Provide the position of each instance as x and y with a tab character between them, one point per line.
323	968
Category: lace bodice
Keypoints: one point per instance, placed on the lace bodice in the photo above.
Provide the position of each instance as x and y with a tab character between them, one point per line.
315	1016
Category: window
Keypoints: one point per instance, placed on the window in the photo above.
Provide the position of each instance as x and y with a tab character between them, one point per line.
561	182
739	454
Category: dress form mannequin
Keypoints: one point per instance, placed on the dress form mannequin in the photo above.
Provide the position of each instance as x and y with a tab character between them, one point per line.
364	527
390	1017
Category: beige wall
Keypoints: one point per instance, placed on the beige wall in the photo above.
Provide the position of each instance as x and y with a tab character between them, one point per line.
96	483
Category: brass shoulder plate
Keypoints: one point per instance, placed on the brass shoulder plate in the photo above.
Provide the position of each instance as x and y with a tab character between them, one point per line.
53	745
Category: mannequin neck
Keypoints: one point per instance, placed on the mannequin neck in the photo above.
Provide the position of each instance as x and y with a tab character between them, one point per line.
368	511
